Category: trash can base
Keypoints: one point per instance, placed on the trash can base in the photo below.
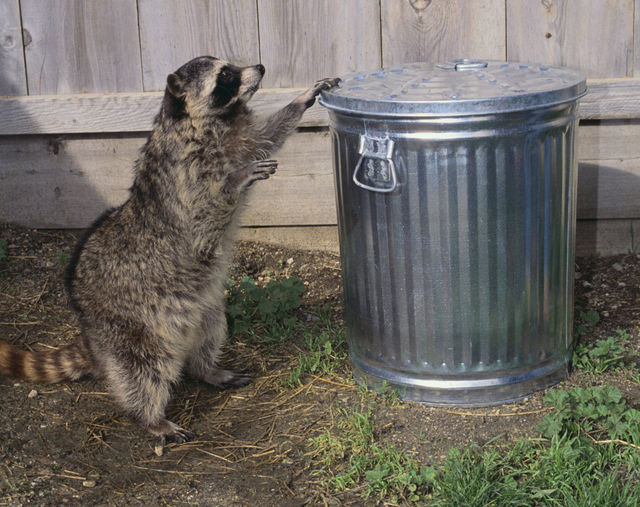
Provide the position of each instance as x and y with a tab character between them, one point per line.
468	391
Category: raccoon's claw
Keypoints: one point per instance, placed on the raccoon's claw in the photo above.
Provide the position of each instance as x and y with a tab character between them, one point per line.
309	97
329	82
225	379
260	170
171	432
265	166
177	437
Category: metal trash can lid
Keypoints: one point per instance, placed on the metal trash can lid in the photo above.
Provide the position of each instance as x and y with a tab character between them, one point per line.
454	88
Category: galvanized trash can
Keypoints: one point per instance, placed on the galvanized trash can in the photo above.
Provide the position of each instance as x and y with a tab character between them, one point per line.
456	195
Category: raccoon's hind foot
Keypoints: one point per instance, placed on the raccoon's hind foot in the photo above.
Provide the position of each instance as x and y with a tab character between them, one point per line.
308	98
260	170
225	379
170	432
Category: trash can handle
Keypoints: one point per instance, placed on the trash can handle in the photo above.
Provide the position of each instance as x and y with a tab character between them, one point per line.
463	64
381	150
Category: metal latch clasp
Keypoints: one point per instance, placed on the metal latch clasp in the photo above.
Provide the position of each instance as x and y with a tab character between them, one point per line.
463	64
376	162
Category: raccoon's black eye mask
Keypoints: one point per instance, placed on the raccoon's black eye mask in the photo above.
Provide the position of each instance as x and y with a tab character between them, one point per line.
227	86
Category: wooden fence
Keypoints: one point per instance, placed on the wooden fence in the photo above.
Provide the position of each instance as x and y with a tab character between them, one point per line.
83	81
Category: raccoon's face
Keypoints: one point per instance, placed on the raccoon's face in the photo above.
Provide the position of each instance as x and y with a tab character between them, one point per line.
207	85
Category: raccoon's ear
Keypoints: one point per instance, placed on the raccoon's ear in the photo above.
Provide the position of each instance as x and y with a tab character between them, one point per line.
173	104
176	86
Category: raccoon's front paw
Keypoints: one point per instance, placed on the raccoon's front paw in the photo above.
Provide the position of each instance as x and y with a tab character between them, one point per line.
308	98
170	432
260	170
227	378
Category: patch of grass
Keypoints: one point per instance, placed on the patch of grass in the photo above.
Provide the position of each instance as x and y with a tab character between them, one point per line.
326	354
478	477
389	395
563	471
588	455
354	456
588	458
386	392
605	355
266	312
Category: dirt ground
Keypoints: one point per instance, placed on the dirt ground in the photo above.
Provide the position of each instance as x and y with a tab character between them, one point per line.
68	444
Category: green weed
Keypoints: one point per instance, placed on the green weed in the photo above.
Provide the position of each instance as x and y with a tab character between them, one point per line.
390	395
252	309
387	393
605	355
396	476
326	354
590	318
62	259
595	412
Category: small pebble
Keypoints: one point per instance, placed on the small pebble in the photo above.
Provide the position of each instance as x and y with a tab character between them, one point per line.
89	484
33	393
617	267
159	450
290	261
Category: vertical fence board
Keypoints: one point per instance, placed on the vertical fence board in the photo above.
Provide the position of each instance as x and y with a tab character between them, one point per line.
13	80
173	33
636	38
82	46
440	30
595	36
302	41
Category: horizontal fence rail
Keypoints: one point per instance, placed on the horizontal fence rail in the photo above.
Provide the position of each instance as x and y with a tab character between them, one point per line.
607	99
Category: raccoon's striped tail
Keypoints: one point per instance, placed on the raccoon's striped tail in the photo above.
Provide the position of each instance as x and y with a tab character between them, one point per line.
69	362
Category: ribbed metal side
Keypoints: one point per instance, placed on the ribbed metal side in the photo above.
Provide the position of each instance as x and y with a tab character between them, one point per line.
459	283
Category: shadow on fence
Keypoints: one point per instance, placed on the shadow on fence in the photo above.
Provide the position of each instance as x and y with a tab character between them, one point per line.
608	210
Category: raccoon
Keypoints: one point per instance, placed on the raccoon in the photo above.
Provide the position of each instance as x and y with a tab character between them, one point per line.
147	278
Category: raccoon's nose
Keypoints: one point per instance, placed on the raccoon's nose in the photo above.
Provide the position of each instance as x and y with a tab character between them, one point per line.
260	68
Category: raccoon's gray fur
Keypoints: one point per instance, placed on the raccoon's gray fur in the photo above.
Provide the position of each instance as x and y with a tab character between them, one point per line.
147	277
